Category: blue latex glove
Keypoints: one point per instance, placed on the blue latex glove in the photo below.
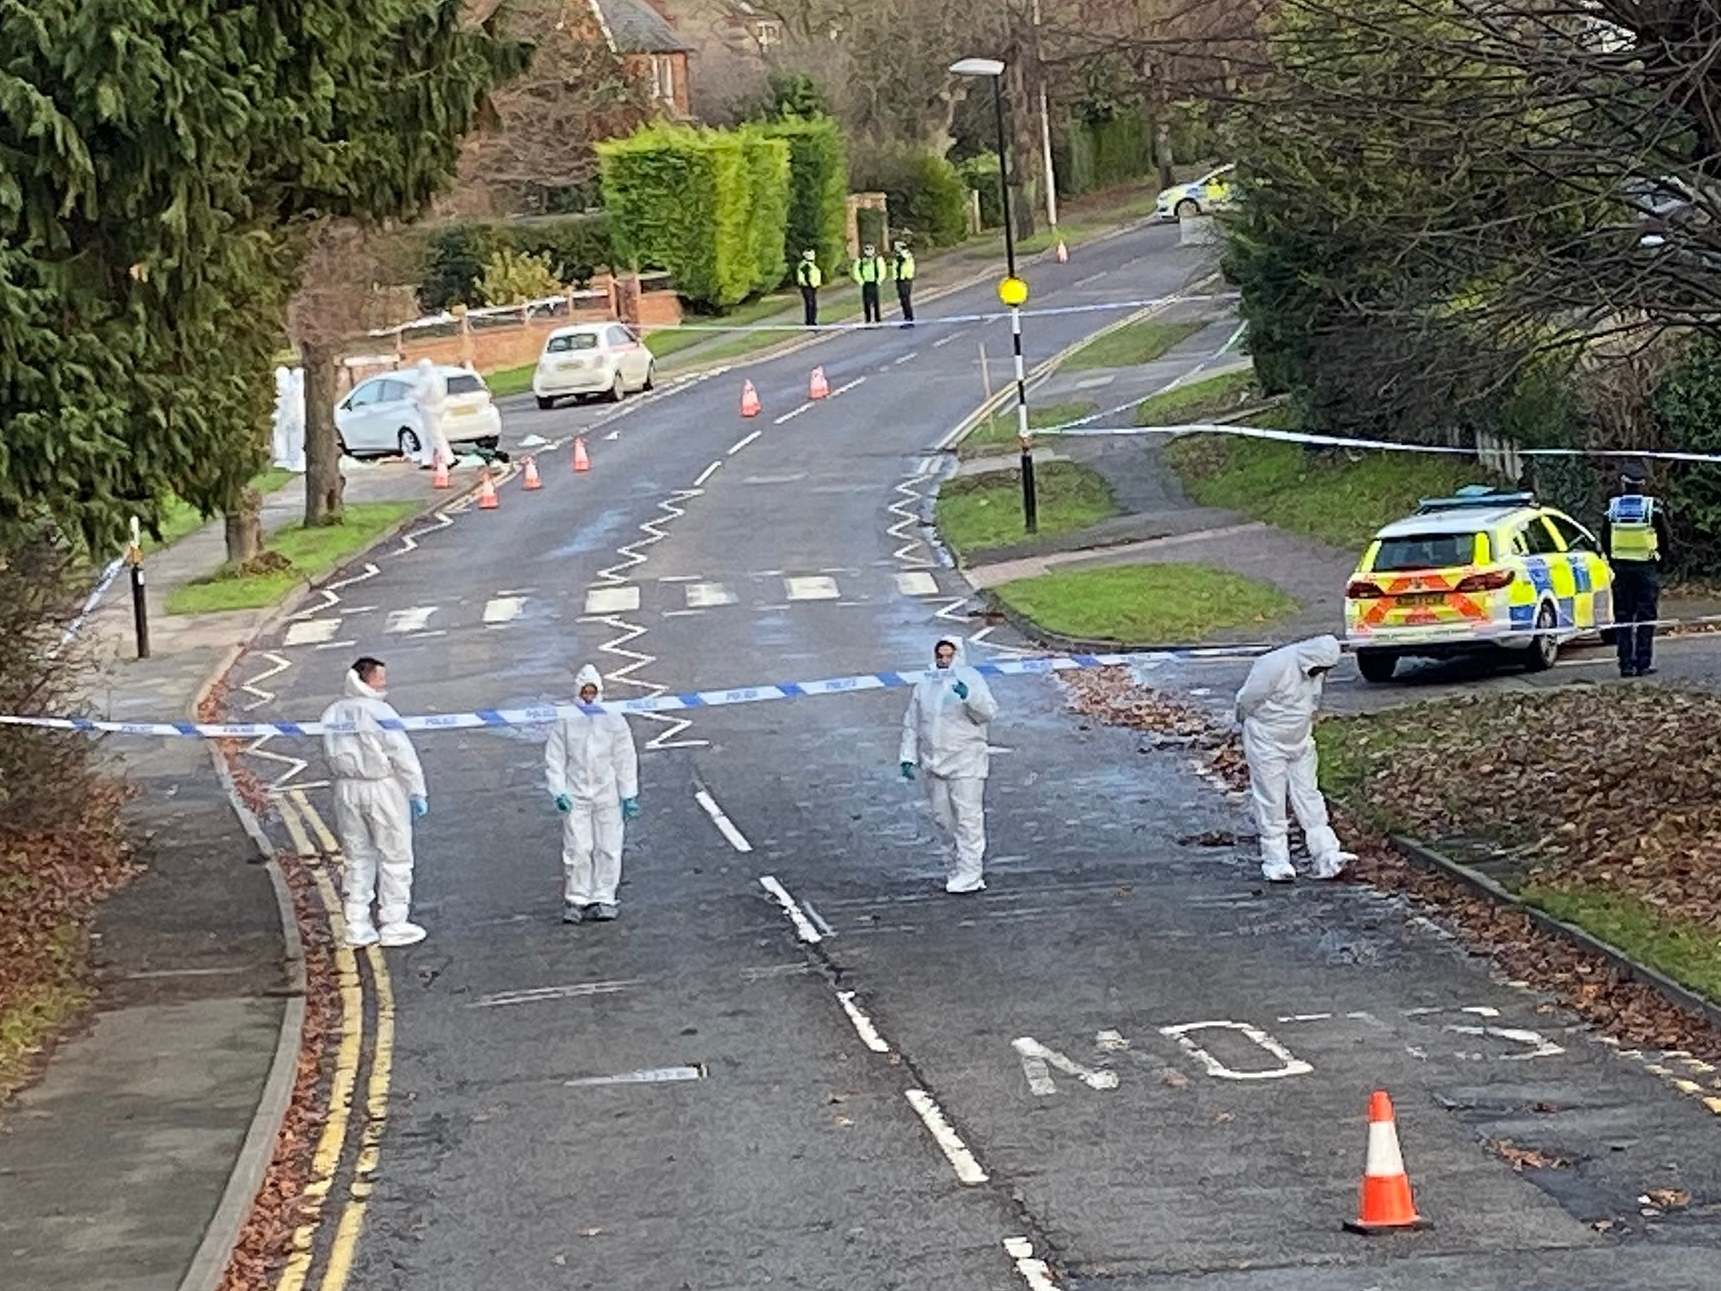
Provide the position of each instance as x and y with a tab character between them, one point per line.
908	770
564	804
961	689
630	808
420	807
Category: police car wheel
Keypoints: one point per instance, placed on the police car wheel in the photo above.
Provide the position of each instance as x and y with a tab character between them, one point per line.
1546	647
1376	665
1186	208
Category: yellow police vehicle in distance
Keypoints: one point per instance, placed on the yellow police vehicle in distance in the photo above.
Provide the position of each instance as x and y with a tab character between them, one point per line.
1478	571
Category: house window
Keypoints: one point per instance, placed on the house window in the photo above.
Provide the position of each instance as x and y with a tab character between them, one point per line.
663	77
768	34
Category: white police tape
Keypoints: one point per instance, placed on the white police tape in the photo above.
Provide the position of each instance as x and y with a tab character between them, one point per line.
1081	430
543	714
1109	306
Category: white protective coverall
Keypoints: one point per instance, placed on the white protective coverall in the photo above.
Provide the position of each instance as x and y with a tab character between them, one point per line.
430	393
376	775
590	757
945	736
1277	708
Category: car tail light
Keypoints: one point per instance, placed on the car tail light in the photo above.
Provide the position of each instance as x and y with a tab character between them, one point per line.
1492	581
1360	589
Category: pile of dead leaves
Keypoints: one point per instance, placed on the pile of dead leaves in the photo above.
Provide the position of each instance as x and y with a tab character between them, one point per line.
1612	787
51	883
1113	696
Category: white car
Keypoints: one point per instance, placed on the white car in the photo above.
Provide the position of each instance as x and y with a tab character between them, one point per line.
592	358
1212	192
381	415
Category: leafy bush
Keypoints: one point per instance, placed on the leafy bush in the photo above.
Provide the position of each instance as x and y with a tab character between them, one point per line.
980	173
818	187
706	205
456	256
926	194
1687	408
512	277
1104	153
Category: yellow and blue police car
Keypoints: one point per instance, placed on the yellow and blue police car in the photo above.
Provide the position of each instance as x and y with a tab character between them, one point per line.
1481	570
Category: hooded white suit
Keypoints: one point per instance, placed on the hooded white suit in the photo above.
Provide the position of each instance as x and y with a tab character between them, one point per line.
590	757
431	395
376	775
944	735
1277	708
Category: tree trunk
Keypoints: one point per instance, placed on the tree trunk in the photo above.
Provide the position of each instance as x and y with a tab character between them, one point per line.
1162	132
323	482
1023	125
243	522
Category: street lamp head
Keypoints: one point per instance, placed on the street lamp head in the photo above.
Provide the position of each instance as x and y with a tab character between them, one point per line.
977	67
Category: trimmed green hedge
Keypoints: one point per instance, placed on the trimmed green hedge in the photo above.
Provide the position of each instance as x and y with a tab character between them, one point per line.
707	205
1104	154
818	188
454	256
927	196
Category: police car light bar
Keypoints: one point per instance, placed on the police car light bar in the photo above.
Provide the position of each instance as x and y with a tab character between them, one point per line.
1477	495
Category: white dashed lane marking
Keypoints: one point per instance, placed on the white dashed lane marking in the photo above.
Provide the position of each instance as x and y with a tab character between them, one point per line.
612	600
725	826
703	596
917	584
503	609
312	632
812	588
413	619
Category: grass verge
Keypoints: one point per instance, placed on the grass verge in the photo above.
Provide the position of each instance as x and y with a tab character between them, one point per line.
1200	400
35	1013
181	519
510	381
1151	604
1131	345
998	431
309	554
1610	853
986	510
1338	499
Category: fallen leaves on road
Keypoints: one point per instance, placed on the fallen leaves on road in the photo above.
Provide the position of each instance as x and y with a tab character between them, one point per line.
1667	1198
1521	1159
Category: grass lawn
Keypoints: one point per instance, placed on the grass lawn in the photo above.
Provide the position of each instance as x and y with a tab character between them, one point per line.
40	1010
1685	950
1329	496
986	510
1135	343
998	431
1200	400
510	381
1150	604
181	519
313	552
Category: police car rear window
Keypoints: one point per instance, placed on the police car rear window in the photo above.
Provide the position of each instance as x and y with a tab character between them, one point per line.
1426	551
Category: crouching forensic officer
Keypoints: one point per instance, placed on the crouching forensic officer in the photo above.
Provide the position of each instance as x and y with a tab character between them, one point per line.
1634	536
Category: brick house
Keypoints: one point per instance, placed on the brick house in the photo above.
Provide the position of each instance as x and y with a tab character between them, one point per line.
646	42
733	43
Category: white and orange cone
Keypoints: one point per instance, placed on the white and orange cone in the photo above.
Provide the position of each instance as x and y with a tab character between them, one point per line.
532	481
818	387
750	404
1063	252
487	493
1385	1204
582	463
439	477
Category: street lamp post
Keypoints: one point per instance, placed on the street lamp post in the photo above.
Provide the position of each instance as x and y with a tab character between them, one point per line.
1012	291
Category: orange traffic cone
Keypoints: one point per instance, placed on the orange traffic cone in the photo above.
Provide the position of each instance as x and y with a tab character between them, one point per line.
487	493
532	481
439	477
1386	1204
750	404
582	463
818	388
1063	252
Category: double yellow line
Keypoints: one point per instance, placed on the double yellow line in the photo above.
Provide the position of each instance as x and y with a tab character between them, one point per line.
316	843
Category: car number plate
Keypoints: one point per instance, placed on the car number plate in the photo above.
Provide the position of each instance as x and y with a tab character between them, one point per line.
465	409
1422	598
570	365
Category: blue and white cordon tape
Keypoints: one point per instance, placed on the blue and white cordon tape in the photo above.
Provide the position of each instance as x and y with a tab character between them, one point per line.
543	714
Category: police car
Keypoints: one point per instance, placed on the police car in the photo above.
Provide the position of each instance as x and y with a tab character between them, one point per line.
1478	571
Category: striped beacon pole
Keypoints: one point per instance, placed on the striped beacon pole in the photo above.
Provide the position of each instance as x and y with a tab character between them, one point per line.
1386	1204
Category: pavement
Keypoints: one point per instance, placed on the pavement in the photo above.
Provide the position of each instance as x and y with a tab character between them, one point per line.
195	980
794	1061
